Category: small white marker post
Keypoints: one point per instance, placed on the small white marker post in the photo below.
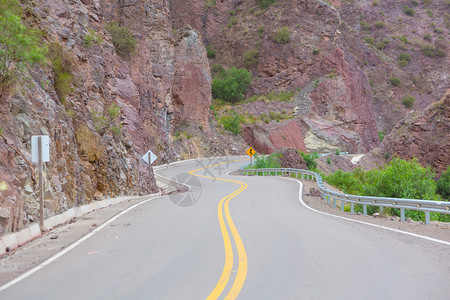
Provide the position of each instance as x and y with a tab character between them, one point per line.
40	150
149	158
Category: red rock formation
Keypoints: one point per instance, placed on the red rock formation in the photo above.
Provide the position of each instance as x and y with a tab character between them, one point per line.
192	80
423	135
266	139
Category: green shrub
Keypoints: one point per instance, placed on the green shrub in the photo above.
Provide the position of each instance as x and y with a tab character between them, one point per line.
408	101
63	64
402	179
381	135
430	13
369	40
263	4
374	2
443	184
379	24
232	21
395	81
310	159
108	120
438	30
409	11
283	35
398	179
20	44
209	3
337	151
382	44
404	39
260	31
251	57
231	123
403	59
365	25
316	50
414	2
431	51
91	38
231	85
427	36
210	52
122	39
217	69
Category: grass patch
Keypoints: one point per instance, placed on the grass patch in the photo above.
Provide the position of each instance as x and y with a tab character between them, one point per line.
283	35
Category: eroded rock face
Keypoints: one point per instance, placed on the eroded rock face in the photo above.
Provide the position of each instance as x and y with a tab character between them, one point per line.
192	79
423	135
90	160
267	138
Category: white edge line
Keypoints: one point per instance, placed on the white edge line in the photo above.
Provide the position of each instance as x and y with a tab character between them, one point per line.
58	255
300	198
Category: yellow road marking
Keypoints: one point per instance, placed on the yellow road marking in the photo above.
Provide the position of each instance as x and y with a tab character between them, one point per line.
228	266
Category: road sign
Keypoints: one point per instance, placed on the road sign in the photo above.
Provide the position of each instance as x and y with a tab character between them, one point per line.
45	148
250	152
149	157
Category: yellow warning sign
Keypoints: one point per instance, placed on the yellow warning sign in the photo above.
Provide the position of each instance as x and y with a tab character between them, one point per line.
250	152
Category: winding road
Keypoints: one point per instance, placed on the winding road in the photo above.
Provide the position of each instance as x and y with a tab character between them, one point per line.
239	237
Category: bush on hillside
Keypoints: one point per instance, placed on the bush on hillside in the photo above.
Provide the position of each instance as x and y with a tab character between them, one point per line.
283	35
443	184
231	123
231	85
251	57
19	45
408	101
122	38
263	4
270	161
310	159
398	179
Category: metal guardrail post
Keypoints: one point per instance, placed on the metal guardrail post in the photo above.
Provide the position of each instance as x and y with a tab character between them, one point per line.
427	217
365	209
381	210
402	214
352	208
342	205
334	203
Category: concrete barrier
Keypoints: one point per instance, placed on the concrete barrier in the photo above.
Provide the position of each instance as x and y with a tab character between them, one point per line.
13	240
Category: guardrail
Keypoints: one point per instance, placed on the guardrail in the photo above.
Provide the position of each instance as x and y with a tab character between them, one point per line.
426	206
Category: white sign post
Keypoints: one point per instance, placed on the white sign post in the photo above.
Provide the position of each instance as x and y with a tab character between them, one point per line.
40	153
149	158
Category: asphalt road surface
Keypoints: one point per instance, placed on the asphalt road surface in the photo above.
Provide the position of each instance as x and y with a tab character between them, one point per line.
244	237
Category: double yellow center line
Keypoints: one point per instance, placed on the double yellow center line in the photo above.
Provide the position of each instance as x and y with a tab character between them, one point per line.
242	269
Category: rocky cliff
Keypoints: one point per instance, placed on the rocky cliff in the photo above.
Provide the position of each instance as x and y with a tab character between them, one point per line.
116	109
339	57
103	110
421	134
